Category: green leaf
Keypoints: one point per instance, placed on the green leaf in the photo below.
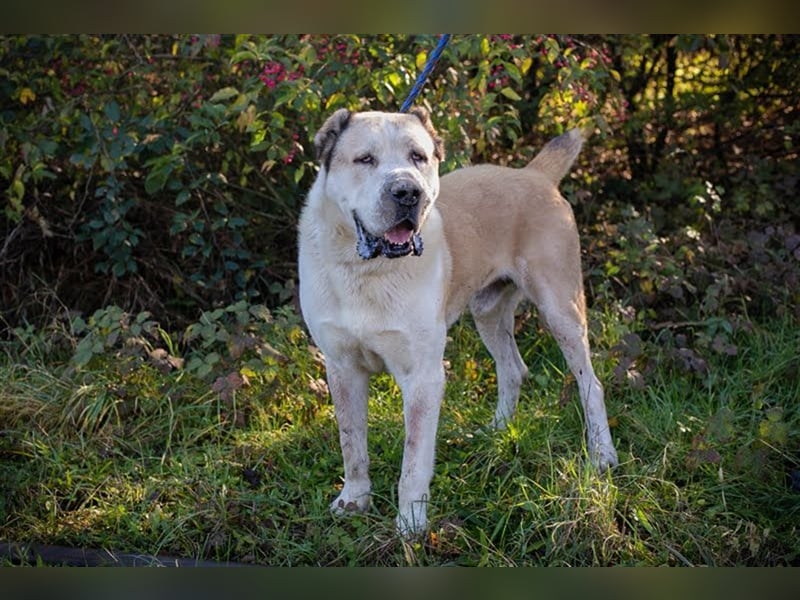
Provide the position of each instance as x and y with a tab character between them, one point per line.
722	426
157	179
774	432
245	55
82	356
119	269
335	100
224	94
182	197
641	516
513	72
284	96
298	173
510	94
420	60
81	160
260	312
112	111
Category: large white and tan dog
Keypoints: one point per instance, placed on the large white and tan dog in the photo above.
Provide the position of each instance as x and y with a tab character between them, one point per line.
384	272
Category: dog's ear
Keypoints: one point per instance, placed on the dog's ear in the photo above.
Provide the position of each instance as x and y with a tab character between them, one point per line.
424	116
326	138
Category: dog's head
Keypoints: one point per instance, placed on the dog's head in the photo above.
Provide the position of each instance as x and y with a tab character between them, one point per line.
382	169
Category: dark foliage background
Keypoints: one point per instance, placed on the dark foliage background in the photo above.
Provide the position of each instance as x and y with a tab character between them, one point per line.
166	173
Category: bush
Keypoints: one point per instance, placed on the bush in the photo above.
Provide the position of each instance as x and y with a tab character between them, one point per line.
166	173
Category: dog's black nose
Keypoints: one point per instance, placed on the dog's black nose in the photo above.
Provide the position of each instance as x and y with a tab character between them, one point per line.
405	193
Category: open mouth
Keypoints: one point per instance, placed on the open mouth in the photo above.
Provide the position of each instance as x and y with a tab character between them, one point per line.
399	240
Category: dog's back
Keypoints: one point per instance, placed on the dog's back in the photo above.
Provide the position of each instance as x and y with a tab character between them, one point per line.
492	215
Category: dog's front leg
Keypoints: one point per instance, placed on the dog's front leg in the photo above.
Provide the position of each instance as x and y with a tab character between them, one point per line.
422	398
349	387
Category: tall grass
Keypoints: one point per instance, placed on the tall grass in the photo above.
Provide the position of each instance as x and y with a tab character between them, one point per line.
125	457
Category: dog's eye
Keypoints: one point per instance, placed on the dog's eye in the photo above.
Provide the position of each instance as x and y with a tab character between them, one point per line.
366	159
418	157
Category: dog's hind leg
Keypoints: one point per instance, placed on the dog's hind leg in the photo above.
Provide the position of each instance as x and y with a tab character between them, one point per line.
493	311
349	389
561	305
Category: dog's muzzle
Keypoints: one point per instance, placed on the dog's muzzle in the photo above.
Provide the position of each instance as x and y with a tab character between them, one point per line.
404	197
400	240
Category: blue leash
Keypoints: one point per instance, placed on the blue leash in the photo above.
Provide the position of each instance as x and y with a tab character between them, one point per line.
422	77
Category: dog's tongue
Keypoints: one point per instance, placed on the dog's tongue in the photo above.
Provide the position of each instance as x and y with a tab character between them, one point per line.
399	234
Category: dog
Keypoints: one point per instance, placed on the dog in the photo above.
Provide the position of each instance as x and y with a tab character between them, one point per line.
390	255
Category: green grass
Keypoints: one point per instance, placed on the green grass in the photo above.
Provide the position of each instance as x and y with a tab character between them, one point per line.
123	457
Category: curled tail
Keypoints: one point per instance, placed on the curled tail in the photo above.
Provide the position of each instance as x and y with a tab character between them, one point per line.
556	158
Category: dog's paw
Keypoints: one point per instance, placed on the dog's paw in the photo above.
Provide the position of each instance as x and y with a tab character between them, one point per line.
347	504
498	423
411	527
412	520
604	457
